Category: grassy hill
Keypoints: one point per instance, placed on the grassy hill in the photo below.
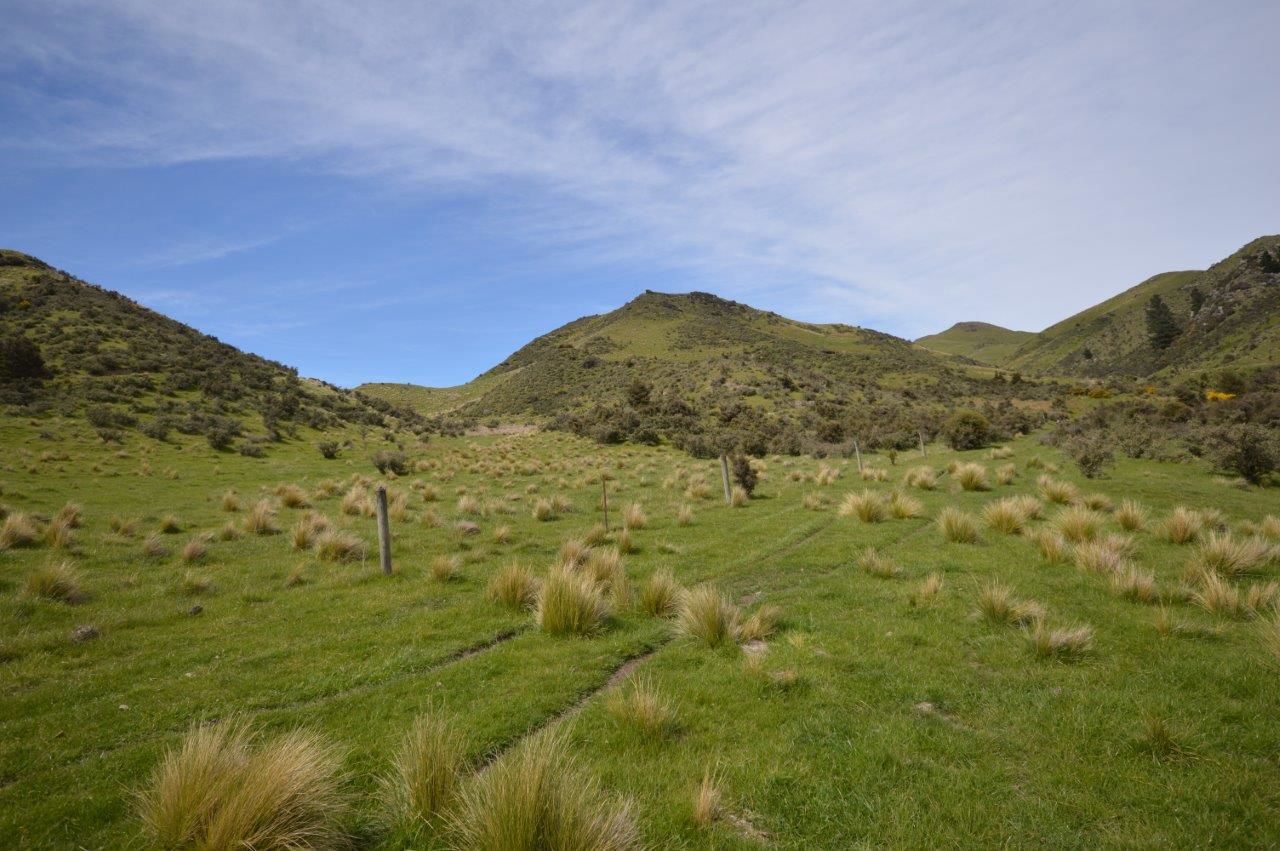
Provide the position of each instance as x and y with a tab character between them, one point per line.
705	371
1238	324
78	350
979	341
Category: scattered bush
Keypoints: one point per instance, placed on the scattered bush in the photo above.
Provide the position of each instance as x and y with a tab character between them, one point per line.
966	429
329	449
389	461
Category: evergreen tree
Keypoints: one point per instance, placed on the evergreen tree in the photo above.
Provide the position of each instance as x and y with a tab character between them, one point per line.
1162	329
1197	300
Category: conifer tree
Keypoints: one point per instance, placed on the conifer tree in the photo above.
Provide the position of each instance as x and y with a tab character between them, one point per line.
1162	329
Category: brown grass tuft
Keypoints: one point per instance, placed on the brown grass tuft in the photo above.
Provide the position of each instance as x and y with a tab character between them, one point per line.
707	617
957	527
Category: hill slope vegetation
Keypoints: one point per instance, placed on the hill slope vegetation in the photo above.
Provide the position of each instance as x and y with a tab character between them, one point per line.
979	341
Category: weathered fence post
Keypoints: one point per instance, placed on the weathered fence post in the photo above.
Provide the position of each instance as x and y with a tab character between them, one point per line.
384	530
604	498
920	434
724	475
858	453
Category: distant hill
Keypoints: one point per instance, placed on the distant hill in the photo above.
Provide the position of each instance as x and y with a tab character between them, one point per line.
979	341
701	369
1237	325
77	349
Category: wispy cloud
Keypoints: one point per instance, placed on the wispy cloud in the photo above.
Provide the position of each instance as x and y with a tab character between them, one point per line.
913	162
201	250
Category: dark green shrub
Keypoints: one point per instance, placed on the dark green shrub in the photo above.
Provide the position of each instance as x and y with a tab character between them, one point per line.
1091	452
391	461
744	474
329	448
967	429
1247	450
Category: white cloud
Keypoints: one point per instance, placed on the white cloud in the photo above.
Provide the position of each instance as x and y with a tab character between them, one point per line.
903	163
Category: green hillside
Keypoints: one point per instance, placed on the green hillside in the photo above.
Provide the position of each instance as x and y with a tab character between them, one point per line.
1237	325
78	350
979	341
701	370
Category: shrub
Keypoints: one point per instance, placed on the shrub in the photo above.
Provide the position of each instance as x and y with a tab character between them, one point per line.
869	506
660	594
707	617
744	474
55	581
569	602
329	449
514	586
537	797
426	774
642	707
966	429
957	527
1248	450
389	461
170	524
1091	453
224	789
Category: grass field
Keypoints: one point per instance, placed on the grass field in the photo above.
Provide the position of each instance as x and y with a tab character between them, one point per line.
886	709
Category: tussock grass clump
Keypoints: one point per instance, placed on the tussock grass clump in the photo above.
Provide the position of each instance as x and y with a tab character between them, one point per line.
660	594
1077	524
230	501
1269	528
1063	643
58	580
1056	491
543	510
59	534
573	553
1098	502
684	515
634	517
1052	546
309	527
1230	557
877	564
605	568
194	585
924	478
738	497
538	797
569	602
153	546
70	515
261	519
596	535
1219	597
926	591
904	507
1006	515
292	496
971	476
624	542
1106	557
356	502
707	801
19	530
446	568
1001	452
502	534
707	617
338	546
762	624
957	527
1006	474
170	524
426	774
1136	585
223	788
868	506
194	551
514	586
1182	526
1131	516
874	474
469	505
644	708
813	502
997	603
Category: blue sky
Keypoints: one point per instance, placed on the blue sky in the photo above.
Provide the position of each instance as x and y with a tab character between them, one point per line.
409	191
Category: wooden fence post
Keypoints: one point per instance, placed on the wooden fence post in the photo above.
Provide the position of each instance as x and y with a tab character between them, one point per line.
384	530
858	453
724	475
920	434
604	496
